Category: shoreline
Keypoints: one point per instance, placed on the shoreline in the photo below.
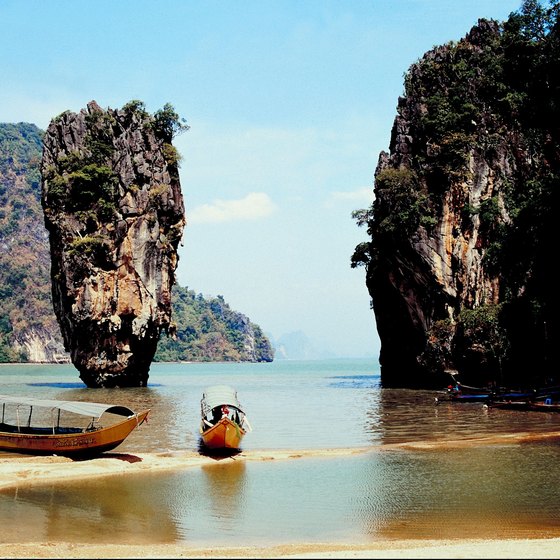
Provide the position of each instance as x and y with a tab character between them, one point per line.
18	469
433	548
22	470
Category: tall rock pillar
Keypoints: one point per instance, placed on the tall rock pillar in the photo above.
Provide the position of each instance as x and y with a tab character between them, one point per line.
113	207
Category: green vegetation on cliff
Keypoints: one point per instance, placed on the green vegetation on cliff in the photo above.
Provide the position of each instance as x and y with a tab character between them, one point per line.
491	99
204	329
25	297
208	330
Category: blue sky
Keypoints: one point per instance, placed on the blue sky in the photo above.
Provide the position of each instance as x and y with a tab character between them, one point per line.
289	103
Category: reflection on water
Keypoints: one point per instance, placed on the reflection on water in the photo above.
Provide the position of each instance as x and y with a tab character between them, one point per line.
487	492
291	405
225	485
102	510
405	415
484	492
498	485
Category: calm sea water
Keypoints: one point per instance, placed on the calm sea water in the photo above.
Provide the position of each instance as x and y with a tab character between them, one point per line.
447	471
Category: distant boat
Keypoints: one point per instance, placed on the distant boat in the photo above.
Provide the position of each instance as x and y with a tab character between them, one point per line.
541	399
509	404
545	406
535	406
223	421
469	397
19	434
457	392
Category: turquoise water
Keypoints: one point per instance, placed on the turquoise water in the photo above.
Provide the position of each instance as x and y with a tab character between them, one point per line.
477	472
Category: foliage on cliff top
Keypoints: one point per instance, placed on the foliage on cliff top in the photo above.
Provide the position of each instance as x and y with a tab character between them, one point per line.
84	186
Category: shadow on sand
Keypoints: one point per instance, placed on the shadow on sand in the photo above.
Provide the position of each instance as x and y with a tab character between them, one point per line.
217	454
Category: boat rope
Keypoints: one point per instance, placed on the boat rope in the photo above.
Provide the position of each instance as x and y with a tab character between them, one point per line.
145	419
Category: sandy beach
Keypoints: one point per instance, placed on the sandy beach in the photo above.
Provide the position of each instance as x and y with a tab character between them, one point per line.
547	548
18	470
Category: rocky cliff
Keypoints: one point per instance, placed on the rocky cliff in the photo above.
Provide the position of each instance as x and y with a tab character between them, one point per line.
459	266
114	212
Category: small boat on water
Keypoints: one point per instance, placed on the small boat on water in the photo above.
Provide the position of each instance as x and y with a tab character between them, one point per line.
502	395
532	405
544	406
39	427
509	404
466	393
223	423
457	392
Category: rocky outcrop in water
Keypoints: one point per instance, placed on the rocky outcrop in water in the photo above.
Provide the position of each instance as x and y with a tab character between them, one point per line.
114	211
458	266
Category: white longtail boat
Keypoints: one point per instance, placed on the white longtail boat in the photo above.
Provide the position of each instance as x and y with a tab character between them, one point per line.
19	434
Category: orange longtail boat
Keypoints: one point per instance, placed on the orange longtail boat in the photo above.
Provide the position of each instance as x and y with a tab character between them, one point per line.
223	422
47	436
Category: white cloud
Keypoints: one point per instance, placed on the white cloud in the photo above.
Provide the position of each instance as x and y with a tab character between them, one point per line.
307	162
362	195
252	207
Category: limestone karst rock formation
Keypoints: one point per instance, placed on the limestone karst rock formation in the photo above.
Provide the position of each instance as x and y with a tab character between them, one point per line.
114	211
462	226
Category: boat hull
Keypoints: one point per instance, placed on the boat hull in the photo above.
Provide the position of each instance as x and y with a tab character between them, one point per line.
84	443
225	434
469	398
527	405
510	405
545	407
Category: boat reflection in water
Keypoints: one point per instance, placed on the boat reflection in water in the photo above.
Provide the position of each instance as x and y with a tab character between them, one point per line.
225	485
110	510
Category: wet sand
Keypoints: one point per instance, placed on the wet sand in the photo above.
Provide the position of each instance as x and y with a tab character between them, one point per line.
547	548
18	470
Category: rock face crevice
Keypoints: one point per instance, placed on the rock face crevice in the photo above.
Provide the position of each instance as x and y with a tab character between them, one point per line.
114	211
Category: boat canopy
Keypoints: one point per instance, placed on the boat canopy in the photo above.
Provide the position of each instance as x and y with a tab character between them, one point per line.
84	408
218	395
